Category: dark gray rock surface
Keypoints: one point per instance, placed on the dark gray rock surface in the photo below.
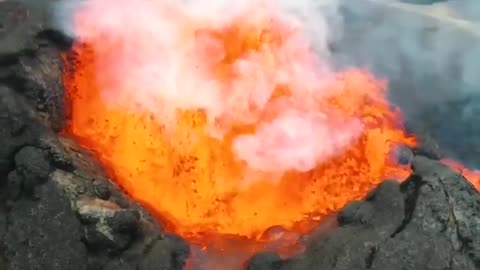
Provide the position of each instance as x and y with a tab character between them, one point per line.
29	58
58	210
18	26
430	221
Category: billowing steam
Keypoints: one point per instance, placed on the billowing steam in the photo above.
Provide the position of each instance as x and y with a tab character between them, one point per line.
427	52
164	57
430	55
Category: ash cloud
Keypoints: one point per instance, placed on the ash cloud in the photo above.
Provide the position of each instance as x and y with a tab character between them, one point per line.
428	51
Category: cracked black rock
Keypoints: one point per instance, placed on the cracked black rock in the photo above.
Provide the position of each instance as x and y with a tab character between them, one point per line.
430	221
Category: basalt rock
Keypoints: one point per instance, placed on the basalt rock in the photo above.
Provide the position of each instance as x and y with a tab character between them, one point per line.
58	209
30	62
430	221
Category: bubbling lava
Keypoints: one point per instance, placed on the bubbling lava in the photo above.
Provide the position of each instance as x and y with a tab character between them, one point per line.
225	125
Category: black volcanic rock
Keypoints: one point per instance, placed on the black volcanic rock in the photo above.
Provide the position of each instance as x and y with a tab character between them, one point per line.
430	221
43	233
30	62
160	254
18	128
38	76
18	25
264	261
32	167
58	210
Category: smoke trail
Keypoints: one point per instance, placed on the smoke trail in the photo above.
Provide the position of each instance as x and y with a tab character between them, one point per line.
430	56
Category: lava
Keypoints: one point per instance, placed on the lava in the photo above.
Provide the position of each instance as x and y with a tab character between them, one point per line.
473	176
225	125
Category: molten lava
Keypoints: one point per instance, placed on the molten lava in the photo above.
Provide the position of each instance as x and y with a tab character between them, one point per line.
227	124
473	176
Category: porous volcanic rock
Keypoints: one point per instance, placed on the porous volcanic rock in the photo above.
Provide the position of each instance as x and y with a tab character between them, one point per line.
18	24
58	210
430	221
30	61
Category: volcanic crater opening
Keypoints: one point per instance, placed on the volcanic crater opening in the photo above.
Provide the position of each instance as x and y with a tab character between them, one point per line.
225	125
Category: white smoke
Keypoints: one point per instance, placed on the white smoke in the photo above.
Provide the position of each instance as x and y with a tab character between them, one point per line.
320	19
155	56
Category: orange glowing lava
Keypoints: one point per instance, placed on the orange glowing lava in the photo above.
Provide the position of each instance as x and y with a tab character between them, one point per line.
193	179
473	176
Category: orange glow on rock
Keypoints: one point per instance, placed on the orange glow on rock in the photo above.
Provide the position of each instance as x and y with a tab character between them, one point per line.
473	176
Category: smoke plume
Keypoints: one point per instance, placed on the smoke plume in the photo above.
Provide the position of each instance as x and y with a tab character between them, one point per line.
430	57
426	49
164	56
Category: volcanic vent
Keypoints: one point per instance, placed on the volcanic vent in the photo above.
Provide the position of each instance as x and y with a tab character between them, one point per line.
233	129
216	123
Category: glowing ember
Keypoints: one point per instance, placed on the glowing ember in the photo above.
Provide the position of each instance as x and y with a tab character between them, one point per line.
225	124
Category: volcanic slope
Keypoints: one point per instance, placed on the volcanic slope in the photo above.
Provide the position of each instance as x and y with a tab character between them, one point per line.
430	221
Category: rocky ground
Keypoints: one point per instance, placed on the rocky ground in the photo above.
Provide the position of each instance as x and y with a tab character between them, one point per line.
59	211
57	208
430	221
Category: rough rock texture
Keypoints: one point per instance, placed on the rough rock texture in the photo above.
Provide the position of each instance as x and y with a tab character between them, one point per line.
18	25
58	210
431	221
30	61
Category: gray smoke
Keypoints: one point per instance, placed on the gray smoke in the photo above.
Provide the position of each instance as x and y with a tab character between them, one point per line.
430	54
